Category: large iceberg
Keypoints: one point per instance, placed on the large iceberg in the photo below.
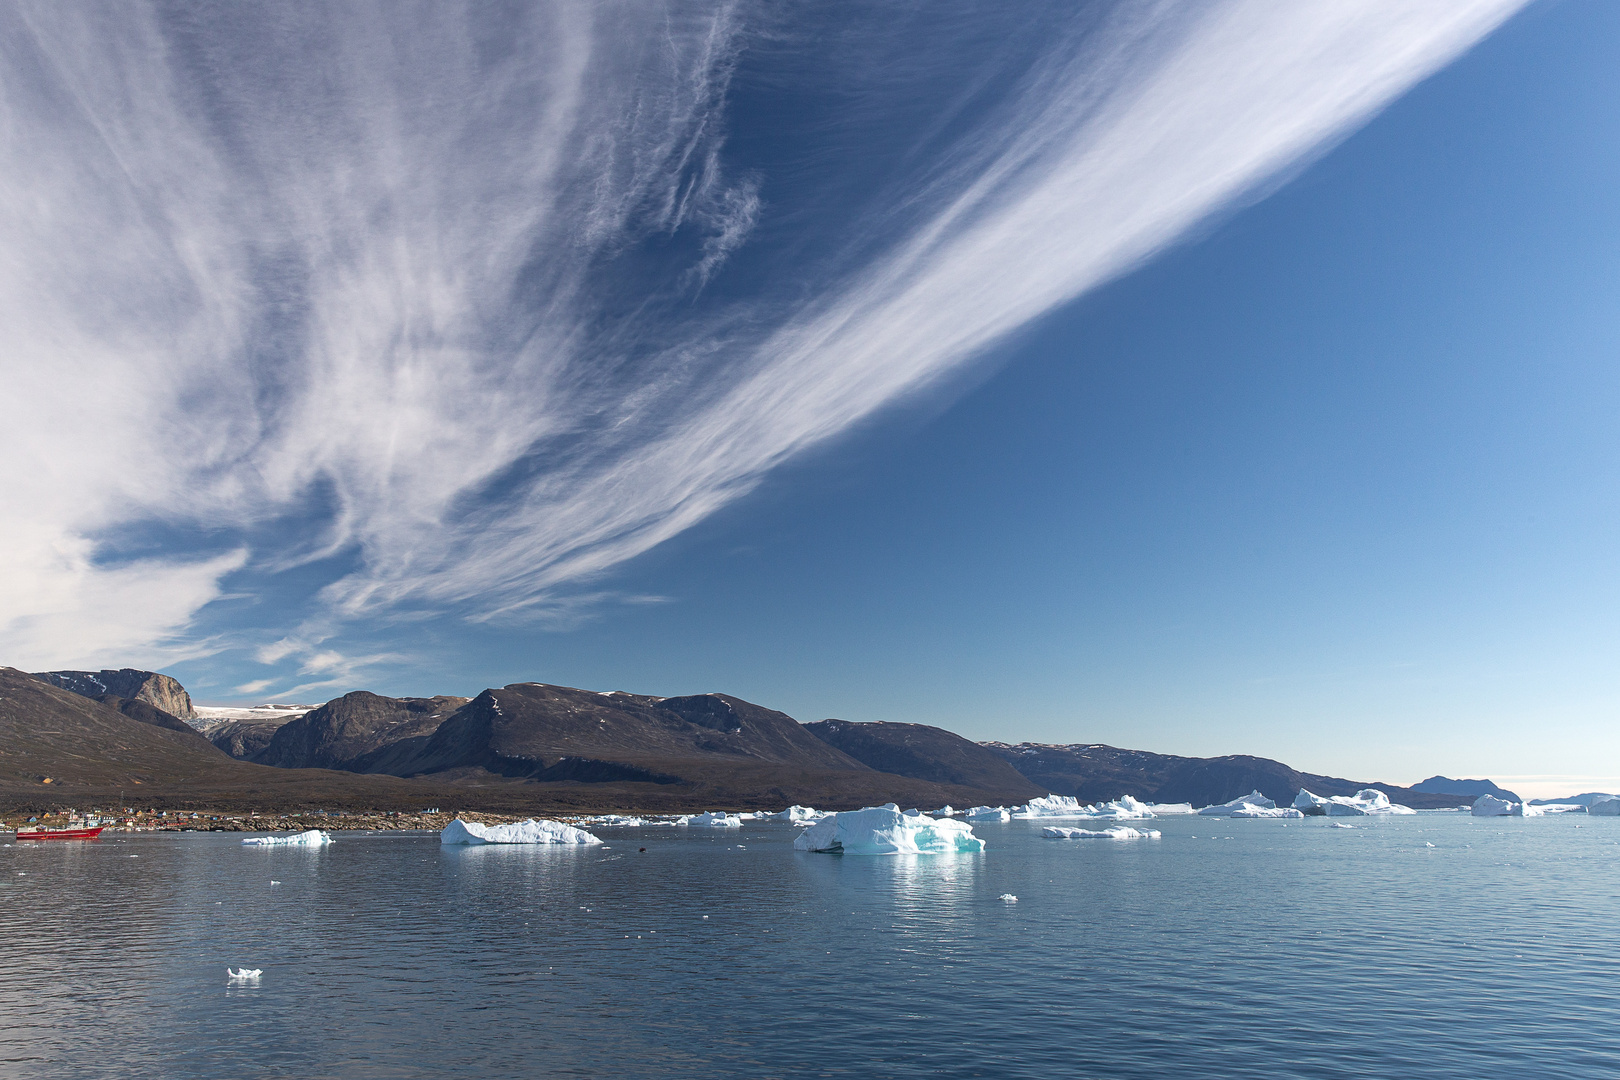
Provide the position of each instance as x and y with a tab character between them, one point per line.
1118	832
1604	806
521	832
309	838
1491	806
719	819
1253	799
1361	804
988	813
1061	807
884	830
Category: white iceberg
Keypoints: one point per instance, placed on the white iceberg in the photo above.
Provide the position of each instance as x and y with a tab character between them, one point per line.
1008	897
623	820
245	975
1605	806
798	815
1118	832
310	838
1061	807
1170	809
1363	803
945	811
988	813
1253	799
521	832
719	819
883	830
1491	806
1266	812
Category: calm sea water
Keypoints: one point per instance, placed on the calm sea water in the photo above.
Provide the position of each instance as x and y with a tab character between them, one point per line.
1224	949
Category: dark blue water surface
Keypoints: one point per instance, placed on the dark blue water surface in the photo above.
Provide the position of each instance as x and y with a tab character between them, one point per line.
1224	949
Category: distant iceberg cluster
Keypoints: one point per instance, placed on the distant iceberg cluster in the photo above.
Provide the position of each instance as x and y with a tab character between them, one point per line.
884	830
521	832
1366	802
1118	832
717	820
1061	807
799	815
310	838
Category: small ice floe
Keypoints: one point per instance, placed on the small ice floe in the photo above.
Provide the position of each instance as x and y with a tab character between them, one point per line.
988	813
1342	825
522	832
1427	844
1066	806
273	881
1118	832
1252	801
308	838
719	819
884	830
1364	803
246	974
1008	897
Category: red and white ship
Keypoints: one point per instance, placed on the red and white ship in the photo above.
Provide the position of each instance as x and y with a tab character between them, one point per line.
60	834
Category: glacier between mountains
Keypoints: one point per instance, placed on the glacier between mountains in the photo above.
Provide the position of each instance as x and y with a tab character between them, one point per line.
522	832
884	830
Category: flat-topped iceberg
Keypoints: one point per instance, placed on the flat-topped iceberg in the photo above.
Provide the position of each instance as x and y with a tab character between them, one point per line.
1118	832
309	838
1491	806
988	813
1266	812
1365	802
1060	807
520	832
719	819
1168	809
884	830
1253	799
1604	806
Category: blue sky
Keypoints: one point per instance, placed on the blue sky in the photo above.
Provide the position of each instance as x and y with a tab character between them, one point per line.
901	367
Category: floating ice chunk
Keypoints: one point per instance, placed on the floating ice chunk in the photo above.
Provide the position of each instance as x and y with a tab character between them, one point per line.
1605	806
1491	806
1342	825
1253	799
988	813
945	811
1266	812
245	974
799	815
1008	897
309	838
717	820
1169	809
1067	807
883	830
1361	804
1118	832
624	820
521	832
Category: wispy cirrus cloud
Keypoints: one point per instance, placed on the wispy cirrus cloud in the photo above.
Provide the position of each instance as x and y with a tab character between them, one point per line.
458	275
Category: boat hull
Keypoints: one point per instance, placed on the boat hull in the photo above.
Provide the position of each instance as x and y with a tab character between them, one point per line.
60	834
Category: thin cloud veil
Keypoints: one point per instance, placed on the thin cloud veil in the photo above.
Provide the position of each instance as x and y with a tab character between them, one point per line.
474	302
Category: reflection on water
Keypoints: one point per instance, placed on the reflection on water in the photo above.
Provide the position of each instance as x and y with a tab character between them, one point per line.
1256	949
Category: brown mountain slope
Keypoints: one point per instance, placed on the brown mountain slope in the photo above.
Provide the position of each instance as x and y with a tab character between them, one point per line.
348	732
928	753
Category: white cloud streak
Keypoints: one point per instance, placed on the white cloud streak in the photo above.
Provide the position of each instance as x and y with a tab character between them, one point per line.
396	281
